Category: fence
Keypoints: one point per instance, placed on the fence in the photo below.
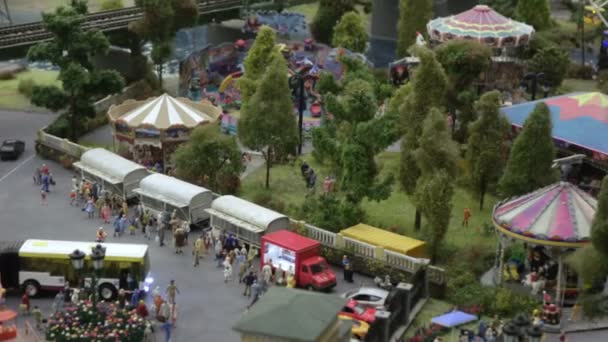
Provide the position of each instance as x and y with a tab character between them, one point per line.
59	144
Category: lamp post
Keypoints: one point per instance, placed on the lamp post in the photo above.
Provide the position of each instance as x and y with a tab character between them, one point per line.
532	81
296	83
98	254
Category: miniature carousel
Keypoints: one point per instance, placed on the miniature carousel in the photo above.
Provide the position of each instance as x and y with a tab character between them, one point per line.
552	222
152	129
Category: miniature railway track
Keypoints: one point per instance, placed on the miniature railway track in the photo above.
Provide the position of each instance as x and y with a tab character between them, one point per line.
27	34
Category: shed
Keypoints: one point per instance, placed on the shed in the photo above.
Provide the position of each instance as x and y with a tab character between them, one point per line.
389	241
159	192
247	220
115	173
285	314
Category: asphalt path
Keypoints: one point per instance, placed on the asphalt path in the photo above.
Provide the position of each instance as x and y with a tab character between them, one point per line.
207	307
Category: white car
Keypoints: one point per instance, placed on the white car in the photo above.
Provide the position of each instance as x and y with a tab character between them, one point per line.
368	296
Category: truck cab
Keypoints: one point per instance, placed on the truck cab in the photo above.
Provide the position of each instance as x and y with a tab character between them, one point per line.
316	274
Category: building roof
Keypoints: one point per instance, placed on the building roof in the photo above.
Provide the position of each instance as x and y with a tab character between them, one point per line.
292	314
246	211
559	215
380	237
579	119
61	249
109	164
171	190
290	240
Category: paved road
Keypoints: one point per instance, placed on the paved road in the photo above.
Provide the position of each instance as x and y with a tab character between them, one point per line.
207	307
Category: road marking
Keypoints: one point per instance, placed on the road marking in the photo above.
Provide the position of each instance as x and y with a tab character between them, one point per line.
17	167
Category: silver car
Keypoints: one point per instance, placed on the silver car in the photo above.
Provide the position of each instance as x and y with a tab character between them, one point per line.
368	296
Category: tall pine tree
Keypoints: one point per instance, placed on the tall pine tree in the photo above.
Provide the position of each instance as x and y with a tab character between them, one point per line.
531	157
534	12
486	145
436	158
413	17
428	89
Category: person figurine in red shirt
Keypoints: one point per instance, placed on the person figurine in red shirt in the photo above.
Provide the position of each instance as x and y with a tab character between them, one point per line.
466	217
25	304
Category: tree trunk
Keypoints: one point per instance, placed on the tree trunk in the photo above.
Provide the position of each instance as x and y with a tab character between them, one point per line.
418	220
160	75
482	193
268	169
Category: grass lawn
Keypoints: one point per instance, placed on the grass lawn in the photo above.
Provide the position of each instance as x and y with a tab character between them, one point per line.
432	309
10	98
309	10
49	5
397	211
574	84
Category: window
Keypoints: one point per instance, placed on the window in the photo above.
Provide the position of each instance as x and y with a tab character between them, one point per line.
317	268
362	297
347	309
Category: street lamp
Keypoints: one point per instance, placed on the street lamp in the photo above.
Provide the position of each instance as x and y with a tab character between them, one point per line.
77	258
533	80
98	254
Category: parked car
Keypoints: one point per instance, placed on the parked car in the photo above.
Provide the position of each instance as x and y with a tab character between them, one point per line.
11	149
359	328
358	311
368	296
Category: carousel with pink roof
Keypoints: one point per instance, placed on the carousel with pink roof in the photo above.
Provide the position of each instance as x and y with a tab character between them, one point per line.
551	223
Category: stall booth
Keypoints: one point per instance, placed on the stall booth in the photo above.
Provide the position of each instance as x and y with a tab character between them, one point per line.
159	192
248	221
390	241
115	173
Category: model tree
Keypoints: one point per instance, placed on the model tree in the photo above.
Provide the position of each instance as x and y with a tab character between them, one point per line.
350	33
329	13
485	151
504	7
257	61
428	89
531	157
267	120
211	159
599	227
436	158
413	17
553	61
534	12
161	19
72	49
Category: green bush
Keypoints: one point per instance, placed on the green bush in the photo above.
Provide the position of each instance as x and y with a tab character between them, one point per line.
576	70
25	87
59	127
109	5
265	199
5	76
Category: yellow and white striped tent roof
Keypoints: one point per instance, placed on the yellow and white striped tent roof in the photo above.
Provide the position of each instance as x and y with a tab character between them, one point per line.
164	112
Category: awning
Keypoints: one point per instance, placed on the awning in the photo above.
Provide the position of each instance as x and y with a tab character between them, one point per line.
235	221
161	198
453	319
97	173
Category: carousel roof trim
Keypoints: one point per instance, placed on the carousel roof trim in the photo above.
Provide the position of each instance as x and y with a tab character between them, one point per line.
557	215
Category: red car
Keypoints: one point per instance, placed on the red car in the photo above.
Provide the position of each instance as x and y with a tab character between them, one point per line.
357	311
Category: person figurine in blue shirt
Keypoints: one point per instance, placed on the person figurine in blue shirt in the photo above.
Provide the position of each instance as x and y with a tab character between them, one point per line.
348	269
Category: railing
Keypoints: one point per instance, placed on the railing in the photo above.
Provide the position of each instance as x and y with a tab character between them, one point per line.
64	145
436	275
360	248
403	261
325	237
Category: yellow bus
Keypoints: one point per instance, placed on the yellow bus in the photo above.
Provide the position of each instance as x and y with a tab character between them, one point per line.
46	265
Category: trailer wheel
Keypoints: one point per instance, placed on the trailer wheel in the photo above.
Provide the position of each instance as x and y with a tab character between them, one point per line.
310	288
31	287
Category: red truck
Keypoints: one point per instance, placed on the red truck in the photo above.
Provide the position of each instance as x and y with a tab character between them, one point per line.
300	256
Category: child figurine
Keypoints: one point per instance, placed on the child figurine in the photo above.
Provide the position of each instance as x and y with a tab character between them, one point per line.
37	317
101	235
133	226
24	307
106	213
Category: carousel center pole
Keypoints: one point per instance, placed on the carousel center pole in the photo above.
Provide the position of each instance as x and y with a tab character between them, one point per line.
560	270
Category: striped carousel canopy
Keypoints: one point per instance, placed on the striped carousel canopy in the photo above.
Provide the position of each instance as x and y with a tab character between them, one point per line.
483	24
557	215
164	112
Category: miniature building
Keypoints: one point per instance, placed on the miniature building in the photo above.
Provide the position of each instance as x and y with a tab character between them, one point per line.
390	241
286	315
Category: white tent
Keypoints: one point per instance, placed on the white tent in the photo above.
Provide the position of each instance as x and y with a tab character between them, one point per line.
118	174
159	192
247	220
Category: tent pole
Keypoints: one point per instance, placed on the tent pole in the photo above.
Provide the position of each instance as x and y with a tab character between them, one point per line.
558	291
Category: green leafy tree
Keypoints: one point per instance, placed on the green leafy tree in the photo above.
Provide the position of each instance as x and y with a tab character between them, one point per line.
109	5
161	19
211	159
534	12
553	61
504	7
413	17
463	61
599	227
326	84
267	120
329	13
257	61
436	158
350	33
72	49
331	212
485	145
531	157
428	90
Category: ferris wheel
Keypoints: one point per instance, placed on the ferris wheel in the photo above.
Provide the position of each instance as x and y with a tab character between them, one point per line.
596	9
